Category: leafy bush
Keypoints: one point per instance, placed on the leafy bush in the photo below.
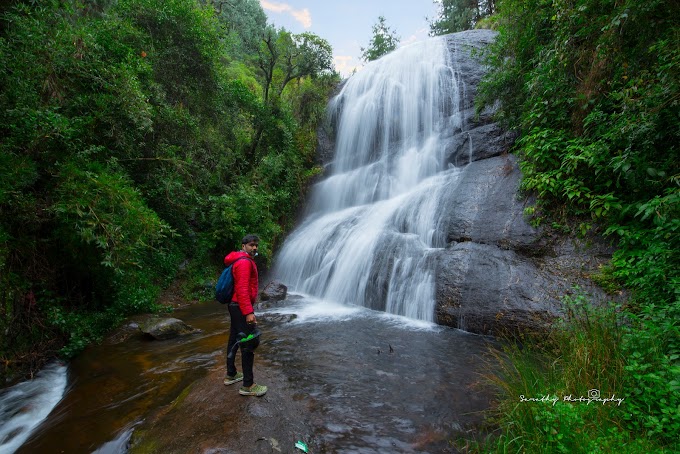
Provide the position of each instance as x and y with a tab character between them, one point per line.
99	206
652	382
592	89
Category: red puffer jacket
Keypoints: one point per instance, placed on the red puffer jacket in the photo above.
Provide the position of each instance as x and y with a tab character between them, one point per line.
245	280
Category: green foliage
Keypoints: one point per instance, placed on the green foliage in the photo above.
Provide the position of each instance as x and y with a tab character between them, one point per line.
544	389
605	279
98	206
135	136
592	89
134	294
245	23
647	259
284	57
595	103
652	349
458	15
383	41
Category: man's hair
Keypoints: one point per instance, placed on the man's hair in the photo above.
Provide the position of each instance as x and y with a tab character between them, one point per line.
251	238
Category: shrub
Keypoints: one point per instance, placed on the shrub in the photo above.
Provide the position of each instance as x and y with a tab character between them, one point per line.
544	387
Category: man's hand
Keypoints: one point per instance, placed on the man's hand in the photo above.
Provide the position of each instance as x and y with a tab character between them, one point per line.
250	319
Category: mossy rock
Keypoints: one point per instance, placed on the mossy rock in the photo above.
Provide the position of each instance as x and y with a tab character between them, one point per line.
166	328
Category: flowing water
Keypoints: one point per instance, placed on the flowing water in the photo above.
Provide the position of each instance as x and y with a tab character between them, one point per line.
363	351
373	222
25	405
372	382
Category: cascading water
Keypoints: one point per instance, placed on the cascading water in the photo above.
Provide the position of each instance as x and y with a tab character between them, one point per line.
372	223
25	405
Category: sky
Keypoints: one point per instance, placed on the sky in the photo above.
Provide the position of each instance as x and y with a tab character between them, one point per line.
348	24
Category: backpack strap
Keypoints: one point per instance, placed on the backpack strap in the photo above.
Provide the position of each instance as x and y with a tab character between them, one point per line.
234	262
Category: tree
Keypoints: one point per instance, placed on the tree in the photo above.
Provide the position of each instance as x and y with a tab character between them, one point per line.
384	41
458	15
245	23
284	57
309	56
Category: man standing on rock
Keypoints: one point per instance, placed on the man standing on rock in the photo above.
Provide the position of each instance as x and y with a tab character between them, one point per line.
243	322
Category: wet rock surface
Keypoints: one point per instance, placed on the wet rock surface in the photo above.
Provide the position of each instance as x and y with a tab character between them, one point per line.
362	383
498	274
482	206
340	380
211	417
485	289
163	328
274	291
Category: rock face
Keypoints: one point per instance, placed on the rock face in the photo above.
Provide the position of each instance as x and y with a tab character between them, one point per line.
485	289
165	328
487	280
498	274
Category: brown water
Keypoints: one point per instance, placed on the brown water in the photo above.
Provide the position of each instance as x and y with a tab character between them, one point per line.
371	382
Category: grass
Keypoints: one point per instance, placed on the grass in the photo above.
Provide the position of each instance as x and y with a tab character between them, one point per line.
568	391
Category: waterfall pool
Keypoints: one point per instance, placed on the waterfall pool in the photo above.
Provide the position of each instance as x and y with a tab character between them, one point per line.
371	382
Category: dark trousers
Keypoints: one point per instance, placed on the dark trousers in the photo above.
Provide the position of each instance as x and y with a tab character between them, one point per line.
239	325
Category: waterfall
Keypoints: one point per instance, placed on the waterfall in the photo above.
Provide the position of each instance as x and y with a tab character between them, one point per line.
373	222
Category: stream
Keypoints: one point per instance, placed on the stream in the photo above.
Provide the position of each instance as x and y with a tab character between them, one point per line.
373	382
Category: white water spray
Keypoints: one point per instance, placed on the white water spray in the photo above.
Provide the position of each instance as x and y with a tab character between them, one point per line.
372	223
25	405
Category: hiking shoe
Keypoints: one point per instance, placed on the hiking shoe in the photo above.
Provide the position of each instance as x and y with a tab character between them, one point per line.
231	380
255	390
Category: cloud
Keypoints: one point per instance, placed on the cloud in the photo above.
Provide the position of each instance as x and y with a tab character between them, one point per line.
300	15
344	64
303	17
419	35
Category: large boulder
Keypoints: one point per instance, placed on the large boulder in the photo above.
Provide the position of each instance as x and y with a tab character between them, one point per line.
162	328
274	291
498	274
487	290
483	207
